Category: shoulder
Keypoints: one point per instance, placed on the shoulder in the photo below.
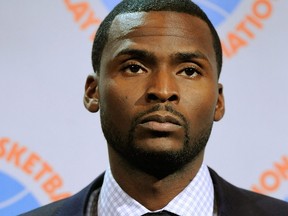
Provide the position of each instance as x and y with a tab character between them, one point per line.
238	201
50	209
72	206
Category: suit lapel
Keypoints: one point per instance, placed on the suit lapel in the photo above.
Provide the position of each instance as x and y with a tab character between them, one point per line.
77	204
232	200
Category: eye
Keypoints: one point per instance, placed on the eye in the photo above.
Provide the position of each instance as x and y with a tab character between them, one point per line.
134	69
190	72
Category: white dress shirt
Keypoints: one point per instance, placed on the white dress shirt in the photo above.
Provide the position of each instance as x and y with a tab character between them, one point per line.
197	199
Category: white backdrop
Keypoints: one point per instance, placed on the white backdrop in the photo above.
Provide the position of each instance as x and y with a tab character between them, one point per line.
50	146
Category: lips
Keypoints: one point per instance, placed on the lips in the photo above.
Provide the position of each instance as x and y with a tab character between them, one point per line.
161	119
161	123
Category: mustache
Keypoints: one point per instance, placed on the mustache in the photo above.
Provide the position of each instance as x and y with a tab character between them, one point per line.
168	108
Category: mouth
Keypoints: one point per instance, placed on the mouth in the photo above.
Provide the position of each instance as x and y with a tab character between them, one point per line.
161	123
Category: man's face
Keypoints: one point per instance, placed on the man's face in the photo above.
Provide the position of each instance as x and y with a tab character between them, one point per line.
158	89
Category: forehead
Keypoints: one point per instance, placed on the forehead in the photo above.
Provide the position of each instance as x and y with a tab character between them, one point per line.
155	22
180	28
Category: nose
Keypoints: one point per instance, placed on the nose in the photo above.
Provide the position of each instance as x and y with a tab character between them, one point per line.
162	87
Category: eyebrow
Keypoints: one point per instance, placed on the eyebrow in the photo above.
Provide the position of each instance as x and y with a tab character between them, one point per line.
138	54
188	56
151	57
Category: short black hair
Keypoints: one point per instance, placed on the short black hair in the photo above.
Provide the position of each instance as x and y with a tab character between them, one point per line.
132	6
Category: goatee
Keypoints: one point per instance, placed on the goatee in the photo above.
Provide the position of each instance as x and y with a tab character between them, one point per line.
160	163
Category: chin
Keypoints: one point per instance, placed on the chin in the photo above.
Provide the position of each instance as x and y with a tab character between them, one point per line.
159	163
160	145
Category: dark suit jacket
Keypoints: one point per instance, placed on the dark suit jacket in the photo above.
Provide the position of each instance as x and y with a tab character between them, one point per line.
231	201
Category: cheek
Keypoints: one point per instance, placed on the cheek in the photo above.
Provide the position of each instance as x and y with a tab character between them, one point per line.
115	102
200	108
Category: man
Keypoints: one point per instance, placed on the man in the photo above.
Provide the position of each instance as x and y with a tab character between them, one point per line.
157	66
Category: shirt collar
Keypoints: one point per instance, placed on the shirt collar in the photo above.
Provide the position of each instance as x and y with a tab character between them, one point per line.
196	199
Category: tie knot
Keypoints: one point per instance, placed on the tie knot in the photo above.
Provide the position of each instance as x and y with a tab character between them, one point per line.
160	213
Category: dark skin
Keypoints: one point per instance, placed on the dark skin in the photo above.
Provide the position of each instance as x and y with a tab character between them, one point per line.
159	58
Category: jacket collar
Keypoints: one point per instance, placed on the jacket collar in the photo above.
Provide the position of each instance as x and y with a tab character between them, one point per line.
227	198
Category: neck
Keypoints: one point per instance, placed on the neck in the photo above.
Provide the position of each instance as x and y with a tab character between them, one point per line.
151	192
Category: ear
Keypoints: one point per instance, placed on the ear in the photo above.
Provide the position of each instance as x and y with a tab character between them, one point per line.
91	96
220	106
